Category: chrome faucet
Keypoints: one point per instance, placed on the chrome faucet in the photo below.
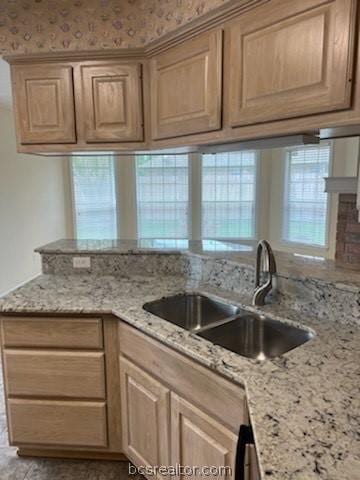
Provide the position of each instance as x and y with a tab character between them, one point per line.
264	251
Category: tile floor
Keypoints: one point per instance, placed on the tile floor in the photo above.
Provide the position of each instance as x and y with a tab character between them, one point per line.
14	468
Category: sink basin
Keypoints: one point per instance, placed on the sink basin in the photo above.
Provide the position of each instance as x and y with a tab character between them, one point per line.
191	311
256	336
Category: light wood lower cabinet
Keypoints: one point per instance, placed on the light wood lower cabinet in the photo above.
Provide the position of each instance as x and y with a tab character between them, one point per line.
252	471
197	440
205	410
59	395
222	399
128	394
145	406
61	423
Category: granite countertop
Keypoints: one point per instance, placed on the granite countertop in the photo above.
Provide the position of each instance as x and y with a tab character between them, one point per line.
288	264
304	406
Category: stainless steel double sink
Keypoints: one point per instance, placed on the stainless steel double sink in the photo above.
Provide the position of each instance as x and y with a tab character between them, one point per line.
243	332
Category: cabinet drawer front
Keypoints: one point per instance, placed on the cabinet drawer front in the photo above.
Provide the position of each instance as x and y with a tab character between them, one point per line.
49	332
186	83
44	103
54	374
266	83
39	422
186	377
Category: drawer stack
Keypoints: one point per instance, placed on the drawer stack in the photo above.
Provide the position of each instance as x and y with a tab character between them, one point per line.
54	373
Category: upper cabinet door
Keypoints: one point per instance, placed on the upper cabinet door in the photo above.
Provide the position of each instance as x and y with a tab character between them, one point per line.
290	59
111	102
44	103
186	87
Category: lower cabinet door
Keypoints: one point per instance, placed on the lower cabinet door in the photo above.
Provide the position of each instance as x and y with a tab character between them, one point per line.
251	464
200	442
145	406
60	423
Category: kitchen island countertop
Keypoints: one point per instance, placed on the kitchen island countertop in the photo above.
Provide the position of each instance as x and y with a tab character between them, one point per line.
304	406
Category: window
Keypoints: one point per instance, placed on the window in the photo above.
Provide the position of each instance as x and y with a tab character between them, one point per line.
94	197
305	217
229	195
162	196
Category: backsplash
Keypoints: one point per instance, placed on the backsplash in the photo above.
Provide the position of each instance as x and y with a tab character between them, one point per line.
333	301
33	26
327	300
121	265
348	231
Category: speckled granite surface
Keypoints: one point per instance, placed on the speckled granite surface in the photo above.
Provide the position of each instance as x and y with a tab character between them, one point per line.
304	406
289	265
330	298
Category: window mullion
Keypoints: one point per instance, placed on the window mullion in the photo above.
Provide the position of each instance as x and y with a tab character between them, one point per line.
195	200
126	183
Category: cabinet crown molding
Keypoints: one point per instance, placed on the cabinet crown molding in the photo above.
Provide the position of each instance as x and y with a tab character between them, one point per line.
210	20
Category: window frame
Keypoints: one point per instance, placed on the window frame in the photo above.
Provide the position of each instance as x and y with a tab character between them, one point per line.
72	193
189	199
255	226
284	185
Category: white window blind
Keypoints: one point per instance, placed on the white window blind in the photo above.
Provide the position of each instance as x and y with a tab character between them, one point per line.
229	195
94	197
305	217
162	183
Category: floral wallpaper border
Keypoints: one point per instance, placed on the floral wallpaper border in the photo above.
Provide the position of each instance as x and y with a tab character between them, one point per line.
31	26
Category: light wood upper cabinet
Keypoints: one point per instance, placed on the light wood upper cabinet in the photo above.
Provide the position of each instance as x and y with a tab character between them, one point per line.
199	440
289	59
44	103
186	87
145	405
110	109
288	66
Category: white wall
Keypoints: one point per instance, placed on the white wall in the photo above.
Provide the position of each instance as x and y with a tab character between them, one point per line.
34	206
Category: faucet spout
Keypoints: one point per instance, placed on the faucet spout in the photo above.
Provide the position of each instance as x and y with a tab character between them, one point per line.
265	259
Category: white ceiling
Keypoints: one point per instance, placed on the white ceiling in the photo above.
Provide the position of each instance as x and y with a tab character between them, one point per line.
5	86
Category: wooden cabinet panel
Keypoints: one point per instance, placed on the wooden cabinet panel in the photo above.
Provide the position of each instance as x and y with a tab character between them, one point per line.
44	103
220	398
145	406
289	59
51	423
252	471
50	332
199	440
54	373
111	108
186	87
